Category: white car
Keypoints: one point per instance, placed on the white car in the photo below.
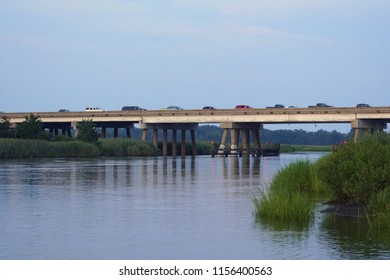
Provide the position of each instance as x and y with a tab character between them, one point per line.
93	109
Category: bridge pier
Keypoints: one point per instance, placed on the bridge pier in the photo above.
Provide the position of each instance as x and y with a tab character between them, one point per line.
54	128
245	129
361	127
165	127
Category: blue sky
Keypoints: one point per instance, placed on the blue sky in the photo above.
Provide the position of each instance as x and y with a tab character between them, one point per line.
110	53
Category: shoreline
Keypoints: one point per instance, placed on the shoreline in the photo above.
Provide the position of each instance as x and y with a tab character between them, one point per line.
344	209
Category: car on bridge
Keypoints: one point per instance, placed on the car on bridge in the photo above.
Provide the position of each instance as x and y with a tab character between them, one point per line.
172	108
208	108
243	107
93	109
132	108
320	105
362	105
277	106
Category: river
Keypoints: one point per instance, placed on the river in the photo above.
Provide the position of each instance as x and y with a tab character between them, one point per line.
162	208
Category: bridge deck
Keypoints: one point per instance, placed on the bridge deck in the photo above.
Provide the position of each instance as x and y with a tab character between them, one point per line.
257	115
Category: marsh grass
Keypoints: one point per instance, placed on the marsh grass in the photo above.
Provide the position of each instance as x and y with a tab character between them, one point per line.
378	209
359	173
26	148
284	148
127	147
291	195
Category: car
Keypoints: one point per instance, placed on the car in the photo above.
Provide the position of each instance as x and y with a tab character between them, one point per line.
243	107
292	106
362	105
208	108
277	106
63	110
320	105
132	108
93	109
173	108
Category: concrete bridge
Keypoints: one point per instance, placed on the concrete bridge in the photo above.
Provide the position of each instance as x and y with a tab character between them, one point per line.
244	122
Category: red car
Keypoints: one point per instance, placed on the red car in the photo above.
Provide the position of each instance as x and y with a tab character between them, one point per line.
243	107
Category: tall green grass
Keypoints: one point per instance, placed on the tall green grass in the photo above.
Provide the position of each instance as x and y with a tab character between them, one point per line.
356	171
304	148
378	209
126	147
291	194
25	148
359	173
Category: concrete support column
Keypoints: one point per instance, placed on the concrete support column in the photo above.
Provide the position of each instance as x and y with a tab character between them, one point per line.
193	142
165	142
76	130
104	134
183	142
234	135
69	132
155	138
221	149
235	129
256	141
174	142
361	127
144	134
128	135
245	142
115	132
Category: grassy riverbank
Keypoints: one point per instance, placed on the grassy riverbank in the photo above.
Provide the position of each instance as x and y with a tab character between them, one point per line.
292	194
25	148
69	148
356	175
284	148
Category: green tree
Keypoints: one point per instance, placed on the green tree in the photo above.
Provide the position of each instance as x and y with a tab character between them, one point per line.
5	128
31	128
87	132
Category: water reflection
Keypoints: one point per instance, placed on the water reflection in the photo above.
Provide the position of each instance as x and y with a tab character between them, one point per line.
161	208
354	239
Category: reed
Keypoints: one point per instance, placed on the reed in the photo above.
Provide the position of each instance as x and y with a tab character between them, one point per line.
26	148
378	209
359	173
357	170
284	148
126	147
291	193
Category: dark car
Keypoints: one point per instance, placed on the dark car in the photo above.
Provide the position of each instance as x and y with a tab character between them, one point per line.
63	110
132	108
208	108
277	106
362	105
320	105
243	107
173	108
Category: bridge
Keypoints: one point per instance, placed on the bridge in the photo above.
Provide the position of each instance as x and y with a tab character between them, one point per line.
243	121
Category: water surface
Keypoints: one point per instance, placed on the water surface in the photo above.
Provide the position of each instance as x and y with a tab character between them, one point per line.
162	208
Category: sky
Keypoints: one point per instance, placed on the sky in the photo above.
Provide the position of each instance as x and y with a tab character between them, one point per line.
192	53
